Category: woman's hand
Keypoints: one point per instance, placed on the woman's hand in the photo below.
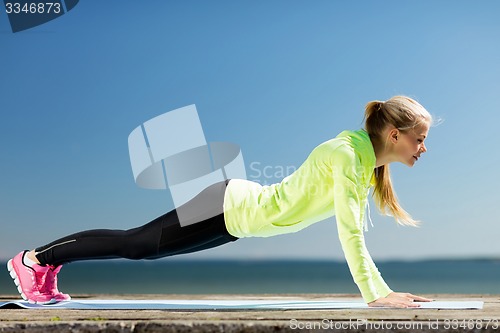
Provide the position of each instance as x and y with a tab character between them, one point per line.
399	300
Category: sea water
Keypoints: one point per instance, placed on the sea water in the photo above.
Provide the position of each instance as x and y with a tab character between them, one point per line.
276	277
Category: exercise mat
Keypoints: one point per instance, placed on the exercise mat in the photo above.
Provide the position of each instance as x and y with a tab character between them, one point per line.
241	304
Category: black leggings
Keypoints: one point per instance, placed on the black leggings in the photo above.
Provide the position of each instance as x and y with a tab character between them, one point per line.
164	236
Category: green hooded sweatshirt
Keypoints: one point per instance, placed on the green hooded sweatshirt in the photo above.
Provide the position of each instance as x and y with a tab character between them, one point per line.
334	180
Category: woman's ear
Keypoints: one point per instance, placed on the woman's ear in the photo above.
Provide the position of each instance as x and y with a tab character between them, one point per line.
394	135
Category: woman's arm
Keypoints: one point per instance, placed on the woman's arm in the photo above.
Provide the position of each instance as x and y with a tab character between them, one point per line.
347	202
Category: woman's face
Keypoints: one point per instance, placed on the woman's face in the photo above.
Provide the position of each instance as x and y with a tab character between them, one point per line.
411	145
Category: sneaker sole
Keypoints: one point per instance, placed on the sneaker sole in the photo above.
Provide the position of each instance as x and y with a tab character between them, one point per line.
14	277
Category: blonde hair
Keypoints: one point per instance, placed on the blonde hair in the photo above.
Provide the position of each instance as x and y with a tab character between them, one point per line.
405	114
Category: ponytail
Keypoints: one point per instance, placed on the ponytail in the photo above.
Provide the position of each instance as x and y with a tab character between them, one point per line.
386	199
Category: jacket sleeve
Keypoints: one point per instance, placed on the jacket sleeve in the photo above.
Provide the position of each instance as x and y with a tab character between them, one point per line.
347	203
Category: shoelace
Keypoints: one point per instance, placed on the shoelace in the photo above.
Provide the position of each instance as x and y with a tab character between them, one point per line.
51	280
38	279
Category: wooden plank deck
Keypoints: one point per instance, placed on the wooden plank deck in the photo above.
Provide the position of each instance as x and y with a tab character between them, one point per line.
338	320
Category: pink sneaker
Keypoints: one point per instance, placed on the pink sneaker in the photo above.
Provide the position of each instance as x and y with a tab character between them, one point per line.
50	285
28	279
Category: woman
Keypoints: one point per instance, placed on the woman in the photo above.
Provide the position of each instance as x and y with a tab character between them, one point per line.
334	180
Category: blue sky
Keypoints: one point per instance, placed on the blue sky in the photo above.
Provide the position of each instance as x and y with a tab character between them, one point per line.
275	77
